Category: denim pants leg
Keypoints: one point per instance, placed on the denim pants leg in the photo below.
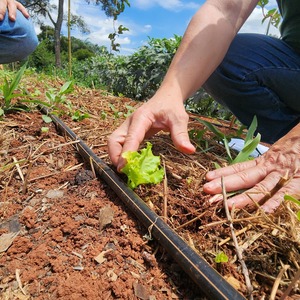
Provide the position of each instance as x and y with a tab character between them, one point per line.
17	39
260	75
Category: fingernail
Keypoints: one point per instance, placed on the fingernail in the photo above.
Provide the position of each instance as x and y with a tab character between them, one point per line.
12	18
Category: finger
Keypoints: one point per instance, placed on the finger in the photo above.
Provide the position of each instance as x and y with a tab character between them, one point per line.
232	169
260	194
3	8
291	188
128	137
180	137
13	6
22	9
242	180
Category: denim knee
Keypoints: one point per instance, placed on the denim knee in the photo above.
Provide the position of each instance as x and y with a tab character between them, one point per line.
257	77
17	39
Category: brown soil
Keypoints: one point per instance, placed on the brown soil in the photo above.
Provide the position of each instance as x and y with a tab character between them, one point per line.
64	234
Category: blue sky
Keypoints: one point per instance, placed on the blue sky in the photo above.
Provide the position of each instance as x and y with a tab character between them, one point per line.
148	18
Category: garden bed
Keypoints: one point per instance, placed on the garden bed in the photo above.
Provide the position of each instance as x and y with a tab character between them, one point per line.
66	235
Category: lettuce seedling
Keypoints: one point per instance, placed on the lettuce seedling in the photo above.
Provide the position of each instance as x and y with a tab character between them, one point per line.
142	167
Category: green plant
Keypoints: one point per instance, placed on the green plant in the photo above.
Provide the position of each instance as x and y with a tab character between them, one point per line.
77	115
7	89
294	200
221	257
142	167
250	142
273	16
55	97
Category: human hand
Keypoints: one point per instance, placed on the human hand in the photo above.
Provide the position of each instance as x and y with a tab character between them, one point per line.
153	116
267	178
12	6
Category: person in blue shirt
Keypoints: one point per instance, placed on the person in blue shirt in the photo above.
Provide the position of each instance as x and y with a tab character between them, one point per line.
251	74
17	35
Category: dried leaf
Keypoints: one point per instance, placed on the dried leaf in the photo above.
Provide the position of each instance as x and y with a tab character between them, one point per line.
6	240
140	291
101	257
106	215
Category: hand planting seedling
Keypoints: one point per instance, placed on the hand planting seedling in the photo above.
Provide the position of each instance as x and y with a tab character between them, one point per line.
143	167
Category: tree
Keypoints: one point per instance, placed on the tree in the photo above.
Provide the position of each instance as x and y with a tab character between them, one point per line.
112	8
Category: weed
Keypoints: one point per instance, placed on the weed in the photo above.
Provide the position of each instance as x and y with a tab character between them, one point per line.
58	102
7	89
250	143
221	257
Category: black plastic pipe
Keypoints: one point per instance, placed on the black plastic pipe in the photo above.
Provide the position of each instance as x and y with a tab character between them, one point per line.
210	282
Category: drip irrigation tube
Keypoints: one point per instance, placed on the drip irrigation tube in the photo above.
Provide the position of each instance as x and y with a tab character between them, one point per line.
210	282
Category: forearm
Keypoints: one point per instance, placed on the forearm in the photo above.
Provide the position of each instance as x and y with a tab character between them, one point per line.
204	45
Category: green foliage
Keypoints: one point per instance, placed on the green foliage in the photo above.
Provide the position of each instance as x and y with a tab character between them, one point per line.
55	97
221	257
60	105
272	16
137	76
142	167
250	143
82	54
8	92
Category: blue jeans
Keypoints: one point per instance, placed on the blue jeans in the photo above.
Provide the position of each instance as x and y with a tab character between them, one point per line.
17	39
260	75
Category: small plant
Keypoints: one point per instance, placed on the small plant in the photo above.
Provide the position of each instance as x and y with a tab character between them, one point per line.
143	167
294	200
250	142
44	129
116	112
79	116
8	88
55	98
58	102
221	257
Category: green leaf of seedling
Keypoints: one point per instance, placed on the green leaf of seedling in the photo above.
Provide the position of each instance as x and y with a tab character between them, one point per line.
44	129
46	119
143	167
212	128
66	88
251	130
9	87
221	257
291	198
248	148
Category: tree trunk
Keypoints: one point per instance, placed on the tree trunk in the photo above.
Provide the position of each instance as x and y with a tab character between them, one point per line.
57	32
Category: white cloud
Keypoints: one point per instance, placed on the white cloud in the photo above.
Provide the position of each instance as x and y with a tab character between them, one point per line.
254	24
174	5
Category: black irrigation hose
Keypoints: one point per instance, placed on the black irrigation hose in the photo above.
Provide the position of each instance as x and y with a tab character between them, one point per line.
208	280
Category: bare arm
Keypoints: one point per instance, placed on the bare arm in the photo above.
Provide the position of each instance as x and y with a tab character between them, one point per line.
205	44
203	47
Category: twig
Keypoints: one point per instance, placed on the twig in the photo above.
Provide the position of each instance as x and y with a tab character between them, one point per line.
281	183
19	281
237	234
165	208
291	285
18	168
237	248
232	220
191	221
277	282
